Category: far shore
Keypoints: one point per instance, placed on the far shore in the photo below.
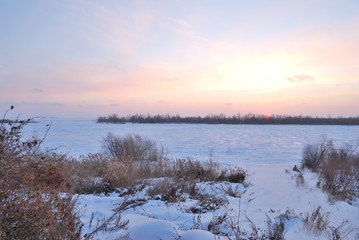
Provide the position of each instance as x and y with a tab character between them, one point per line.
233	120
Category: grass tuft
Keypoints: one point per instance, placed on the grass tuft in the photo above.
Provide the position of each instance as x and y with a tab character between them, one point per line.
338	168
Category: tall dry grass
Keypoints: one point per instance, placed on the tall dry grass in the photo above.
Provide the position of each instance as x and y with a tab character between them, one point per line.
31	203
131	148
338	167
131	160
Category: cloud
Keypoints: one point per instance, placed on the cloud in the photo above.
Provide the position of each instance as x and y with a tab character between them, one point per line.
2	66
300	78
37	90
181	22
114	105
53	104
95	105
229	104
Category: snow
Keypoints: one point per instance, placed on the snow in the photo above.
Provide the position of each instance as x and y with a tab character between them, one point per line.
268	153
272	193
197	234
154	229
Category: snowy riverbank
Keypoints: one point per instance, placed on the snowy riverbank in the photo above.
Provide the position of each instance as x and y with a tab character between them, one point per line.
271	192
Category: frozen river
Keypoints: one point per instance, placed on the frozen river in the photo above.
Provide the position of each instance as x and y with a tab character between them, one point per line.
230	144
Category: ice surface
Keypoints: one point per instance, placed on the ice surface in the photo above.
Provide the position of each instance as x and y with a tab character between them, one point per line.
231	144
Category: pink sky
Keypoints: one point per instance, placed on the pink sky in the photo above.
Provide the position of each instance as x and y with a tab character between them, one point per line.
89	58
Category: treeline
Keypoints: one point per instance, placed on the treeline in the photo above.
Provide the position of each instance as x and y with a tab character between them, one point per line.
6	121
3	121
235	119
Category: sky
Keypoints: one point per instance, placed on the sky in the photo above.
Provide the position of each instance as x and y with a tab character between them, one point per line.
82	59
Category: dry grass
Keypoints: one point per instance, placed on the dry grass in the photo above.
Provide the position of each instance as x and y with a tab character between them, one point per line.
31	206
166	190
275	231
34	215
131	148
338	168
341	232
99	172
317	221
299	179
216	225
233	191
340	173
314	154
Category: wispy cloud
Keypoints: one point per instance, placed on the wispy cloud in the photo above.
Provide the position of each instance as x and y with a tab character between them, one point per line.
300	78
95	105
47	104
181	22
37	90
114	105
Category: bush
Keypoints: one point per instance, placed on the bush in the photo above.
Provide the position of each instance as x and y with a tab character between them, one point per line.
37	215
131	148
132	159
189	170
340	172
338	168
169	191
317	221
233	175
275	231
31	205
102	173
87	173
314	154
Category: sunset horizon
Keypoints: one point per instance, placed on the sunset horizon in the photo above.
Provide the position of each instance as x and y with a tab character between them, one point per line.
83	59
179	119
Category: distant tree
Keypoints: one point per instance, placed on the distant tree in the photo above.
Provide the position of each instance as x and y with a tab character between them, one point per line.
249	118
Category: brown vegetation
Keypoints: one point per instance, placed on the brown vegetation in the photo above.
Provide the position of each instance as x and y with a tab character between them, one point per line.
131	148
131	160
317	223
338	168
31	205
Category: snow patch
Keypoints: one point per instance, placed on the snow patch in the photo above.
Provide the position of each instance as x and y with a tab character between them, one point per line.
154	229
196	235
